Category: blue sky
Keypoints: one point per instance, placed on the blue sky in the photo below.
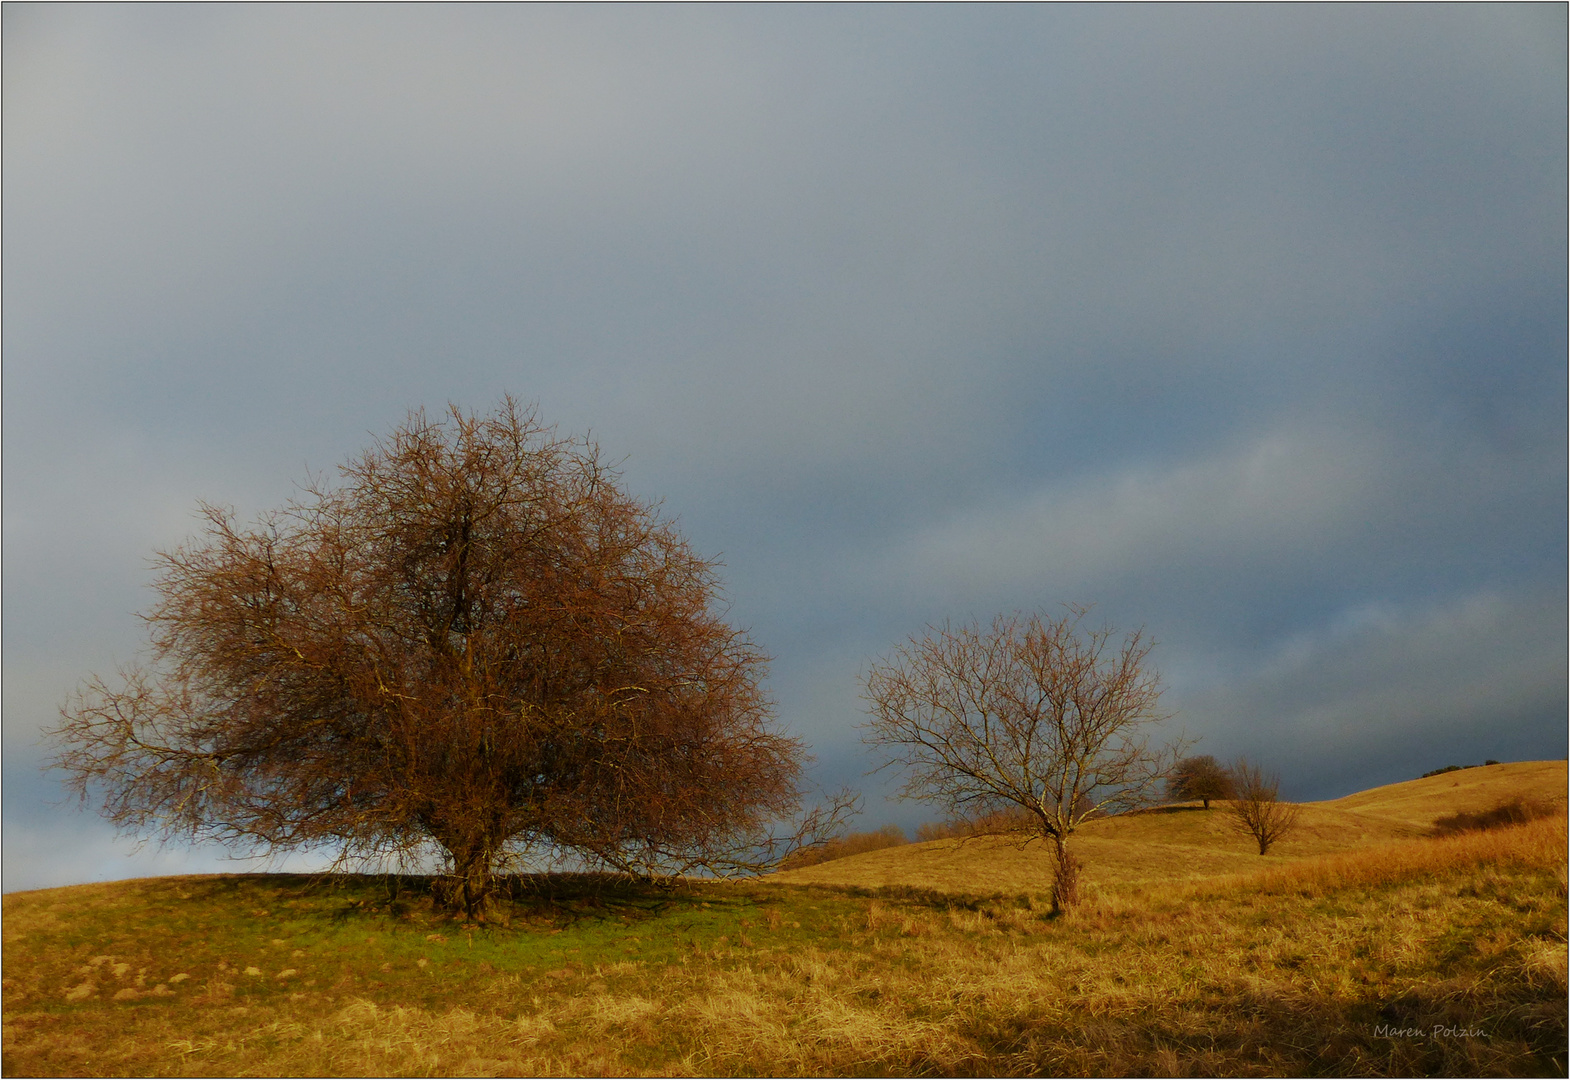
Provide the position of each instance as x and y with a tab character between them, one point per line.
1245	324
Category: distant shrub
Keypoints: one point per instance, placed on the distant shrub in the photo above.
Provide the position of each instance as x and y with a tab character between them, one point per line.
1513	811
942	830
841	847
992	823
1455	768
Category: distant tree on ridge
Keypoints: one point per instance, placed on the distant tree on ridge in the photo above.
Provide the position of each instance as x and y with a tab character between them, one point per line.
1199	778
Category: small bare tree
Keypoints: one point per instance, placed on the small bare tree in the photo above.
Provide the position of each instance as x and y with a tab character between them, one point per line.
1199	778
1034	713
477	641
1256	806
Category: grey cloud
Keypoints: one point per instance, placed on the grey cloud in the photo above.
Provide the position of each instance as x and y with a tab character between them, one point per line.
1300	506
1233	320
1352	703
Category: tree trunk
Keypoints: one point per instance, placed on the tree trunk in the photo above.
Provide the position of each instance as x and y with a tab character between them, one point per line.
1065	876
476	886
470	884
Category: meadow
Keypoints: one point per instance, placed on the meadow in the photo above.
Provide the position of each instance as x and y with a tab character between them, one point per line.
1365	946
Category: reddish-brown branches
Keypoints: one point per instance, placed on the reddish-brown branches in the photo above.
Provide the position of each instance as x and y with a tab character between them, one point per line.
1033	713
476	639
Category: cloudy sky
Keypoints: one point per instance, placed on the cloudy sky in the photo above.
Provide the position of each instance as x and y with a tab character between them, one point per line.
1247	325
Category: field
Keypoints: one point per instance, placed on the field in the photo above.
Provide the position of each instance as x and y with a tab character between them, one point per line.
1187	842
1361	948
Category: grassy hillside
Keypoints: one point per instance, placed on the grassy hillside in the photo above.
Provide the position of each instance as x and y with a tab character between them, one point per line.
1419	802
1413	957
1188	842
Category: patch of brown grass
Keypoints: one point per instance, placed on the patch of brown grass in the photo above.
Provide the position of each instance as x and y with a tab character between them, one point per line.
1541	843
1515	810
994	823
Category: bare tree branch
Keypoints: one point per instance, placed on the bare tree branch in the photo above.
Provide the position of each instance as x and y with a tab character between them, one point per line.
1256	808
1034	712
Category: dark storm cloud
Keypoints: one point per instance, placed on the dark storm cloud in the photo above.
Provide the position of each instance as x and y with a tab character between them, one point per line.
1246	323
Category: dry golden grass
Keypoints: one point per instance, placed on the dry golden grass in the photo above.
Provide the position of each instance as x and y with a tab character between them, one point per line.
1419	802
1186	842
1407	957
1160	845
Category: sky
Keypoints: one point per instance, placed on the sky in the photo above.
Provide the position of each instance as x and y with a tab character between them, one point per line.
1246	325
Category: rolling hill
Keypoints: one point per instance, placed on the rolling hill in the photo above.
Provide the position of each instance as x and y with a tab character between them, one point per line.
1188	842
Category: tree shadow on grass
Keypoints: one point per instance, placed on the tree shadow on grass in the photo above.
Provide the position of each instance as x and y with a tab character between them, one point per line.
1181	808
558	900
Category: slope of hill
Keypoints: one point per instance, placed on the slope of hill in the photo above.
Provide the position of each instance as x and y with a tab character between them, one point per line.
1419	802
1186	841
1428	957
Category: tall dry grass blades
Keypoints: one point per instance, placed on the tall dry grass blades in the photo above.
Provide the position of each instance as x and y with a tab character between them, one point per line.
1539	844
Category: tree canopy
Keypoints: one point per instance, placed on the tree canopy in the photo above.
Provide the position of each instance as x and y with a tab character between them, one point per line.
1199	778
475	639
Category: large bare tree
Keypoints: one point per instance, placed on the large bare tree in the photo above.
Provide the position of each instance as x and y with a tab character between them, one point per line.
475	639
1033	712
